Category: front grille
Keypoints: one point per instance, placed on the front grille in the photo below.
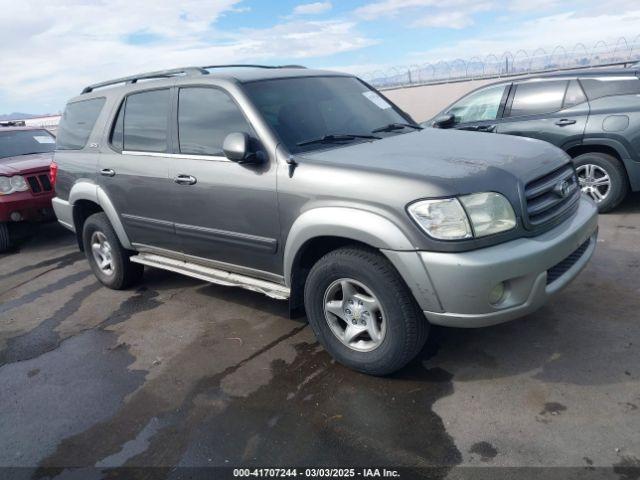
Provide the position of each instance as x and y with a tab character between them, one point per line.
551	196
39	183
561	268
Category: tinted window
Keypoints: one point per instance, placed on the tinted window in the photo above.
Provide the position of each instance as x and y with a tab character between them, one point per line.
24	142
145	121
606	86
77	122
205	117
302	109
478	106
574	95
538	97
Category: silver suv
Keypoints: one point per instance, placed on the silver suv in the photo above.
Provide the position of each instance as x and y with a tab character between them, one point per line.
312	187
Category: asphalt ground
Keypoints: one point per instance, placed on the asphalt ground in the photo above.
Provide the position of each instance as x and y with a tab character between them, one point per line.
179	373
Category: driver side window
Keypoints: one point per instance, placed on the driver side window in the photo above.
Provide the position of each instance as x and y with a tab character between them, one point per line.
479	106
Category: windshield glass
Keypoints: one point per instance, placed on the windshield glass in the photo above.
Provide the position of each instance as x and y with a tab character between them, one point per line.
24	142
309	108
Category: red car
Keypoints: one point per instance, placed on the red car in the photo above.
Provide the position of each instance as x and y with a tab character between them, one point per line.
25	182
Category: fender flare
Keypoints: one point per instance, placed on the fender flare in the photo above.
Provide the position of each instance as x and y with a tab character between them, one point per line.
359	225
87	190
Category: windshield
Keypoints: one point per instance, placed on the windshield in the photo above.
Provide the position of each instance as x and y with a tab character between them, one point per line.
303	109
24	142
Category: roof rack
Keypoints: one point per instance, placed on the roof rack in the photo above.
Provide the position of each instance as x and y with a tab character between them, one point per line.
176	72
144	76
249	65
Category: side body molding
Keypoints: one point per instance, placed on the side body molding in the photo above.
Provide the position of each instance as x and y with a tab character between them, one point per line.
359	225
87	190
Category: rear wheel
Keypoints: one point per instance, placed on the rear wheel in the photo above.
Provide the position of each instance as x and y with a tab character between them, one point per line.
109	260
5	239
362	312
603	178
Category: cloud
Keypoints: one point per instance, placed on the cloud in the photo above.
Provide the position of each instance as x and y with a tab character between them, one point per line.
455	20
312	8
52	49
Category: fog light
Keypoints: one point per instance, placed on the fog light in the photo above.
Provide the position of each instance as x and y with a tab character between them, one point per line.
16	216
497	294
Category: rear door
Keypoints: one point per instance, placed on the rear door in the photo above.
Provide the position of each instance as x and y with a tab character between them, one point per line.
225	212
555	111
134	171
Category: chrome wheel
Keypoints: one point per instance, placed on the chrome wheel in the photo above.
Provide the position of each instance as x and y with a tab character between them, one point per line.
354	315
594	181
102	253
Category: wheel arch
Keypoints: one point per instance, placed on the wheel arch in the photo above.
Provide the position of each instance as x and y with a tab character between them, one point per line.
88	198
613	148
321	230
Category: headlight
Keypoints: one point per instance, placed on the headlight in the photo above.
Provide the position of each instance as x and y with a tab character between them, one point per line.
489	213
9	185
476	215
442	219
5	186
18	183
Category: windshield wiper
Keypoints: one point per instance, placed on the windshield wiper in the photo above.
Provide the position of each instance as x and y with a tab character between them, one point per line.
339	137
396	126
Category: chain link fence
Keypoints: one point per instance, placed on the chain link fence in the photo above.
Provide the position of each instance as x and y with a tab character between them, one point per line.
622	52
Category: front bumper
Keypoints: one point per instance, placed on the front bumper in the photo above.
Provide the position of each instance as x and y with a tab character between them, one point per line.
24	206
453	288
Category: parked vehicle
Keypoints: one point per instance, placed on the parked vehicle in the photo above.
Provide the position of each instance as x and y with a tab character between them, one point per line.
311	186
25	186
593	115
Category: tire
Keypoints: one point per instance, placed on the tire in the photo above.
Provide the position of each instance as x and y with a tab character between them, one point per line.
599	164
121	272
5	239
400	325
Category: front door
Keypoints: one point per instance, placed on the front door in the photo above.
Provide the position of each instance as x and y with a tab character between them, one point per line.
134	170
228	212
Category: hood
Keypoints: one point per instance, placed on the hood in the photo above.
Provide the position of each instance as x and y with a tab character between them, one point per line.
25	164
452	161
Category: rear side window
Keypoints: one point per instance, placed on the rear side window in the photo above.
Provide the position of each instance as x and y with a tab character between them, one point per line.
77	122
141	124
607	86
538	97
574	95
205	117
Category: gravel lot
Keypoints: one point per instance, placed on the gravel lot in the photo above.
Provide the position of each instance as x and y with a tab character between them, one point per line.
180	372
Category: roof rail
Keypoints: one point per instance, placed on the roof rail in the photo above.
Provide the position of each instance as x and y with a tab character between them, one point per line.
175	72
249	65
143	76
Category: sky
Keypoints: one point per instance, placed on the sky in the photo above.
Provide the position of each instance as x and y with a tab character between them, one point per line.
51	49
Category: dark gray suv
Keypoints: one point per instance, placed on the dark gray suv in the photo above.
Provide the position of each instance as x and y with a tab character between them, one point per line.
311	187
593	115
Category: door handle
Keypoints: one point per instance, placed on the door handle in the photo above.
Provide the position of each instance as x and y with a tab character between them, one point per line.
565	121
107	172
185	180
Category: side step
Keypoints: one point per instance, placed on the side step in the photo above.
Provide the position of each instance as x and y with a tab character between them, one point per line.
213	275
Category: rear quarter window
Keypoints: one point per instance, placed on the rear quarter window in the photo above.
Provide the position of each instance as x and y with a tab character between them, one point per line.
77	123
608	86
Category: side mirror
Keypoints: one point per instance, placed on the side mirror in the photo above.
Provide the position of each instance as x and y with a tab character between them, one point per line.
444	121
236	146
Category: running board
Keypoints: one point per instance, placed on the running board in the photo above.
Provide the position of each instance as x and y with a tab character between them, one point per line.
213	275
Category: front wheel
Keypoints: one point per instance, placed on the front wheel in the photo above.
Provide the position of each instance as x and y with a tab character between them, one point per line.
109	260
362	312
603	178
